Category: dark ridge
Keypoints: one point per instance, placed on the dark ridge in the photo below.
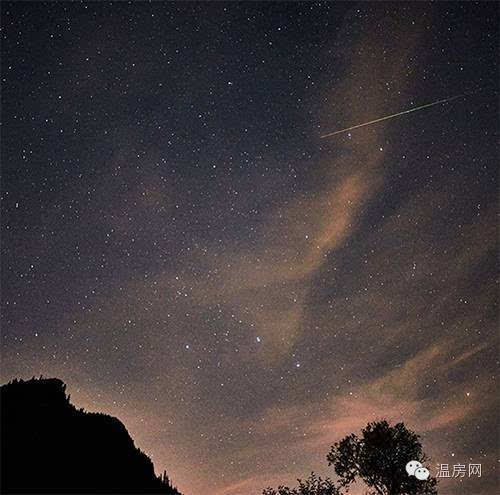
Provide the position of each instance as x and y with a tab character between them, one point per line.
49	446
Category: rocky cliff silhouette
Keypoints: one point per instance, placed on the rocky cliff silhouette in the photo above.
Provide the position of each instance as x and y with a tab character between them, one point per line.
49	446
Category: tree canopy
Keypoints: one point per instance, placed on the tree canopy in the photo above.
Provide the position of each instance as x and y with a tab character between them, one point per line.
314	485
378	458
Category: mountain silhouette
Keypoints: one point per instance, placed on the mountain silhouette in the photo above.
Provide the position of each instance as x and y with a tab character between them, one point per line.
49	446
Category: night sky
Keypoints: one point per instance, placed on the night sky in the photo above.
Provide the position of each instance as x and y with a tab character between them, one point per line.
185	251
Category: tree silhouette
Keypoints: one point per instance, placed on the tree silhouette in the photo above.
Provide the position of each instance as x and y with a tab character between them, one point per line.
379	458
314	485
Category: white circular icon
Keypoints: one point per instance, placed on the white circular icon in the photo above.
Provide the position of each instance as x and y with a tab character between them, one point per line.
421	473
412	466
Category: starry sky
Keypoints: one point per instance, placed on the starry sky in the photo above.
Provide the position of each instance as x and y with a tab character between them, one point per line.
181	246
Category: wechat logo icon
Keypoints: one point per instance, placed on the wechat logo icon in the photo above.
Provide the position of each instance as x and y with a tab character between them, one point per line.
415	468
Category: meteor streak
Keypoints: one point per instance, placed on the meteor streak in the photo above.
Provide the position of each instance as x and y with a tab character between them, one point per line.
391	116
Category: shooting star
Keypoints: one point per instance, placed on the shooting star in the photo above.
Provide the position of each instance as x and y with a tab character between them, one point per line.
392	116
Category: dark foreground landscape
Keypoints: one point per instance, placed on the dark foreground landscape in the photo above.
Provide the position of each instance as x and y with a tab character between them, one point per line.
49	446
